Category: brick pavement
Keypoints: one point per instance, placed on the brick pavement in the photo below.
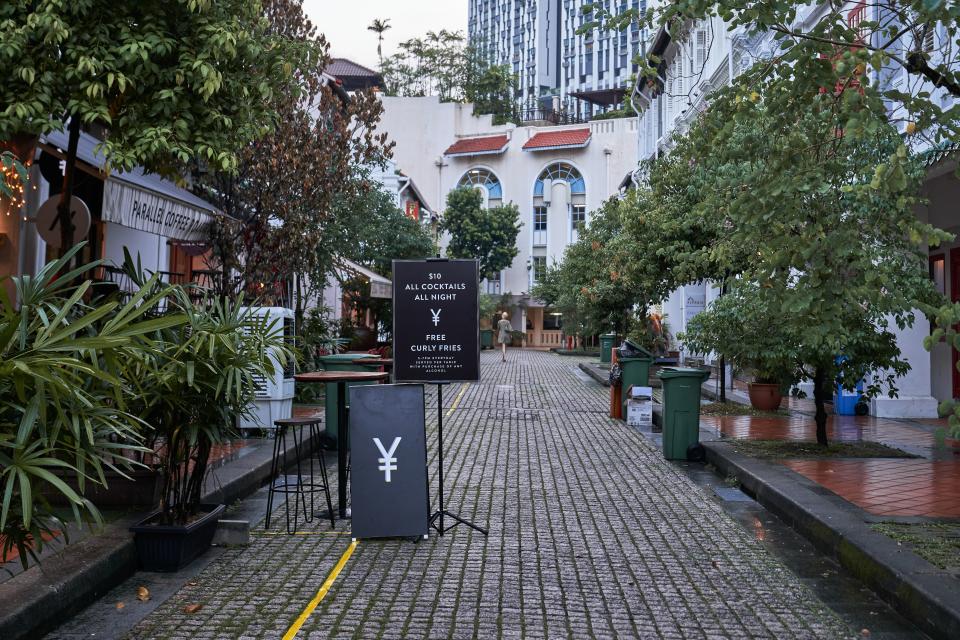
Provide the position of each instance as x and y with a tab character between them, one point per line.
592	535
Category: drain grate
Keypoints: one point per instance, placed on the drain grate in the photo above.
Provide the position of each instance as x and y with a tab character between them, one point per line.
731	494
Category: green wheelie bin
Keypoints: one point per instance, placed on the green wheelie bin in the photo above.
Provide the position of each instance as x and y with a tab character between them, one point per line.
340	362
635	364
607	341
486	338
681	409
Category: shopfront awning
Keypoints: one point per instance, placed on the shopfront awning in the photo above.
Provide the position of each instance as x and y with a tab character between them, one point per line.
139	200
380	287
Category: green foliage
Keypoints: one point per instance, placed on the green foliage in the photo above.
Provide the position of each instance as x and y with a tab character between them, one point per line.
601	278
650	331
830	50
750	333
441	64
13	176
487	235
370	230
837	252
172	81
68	372
198	377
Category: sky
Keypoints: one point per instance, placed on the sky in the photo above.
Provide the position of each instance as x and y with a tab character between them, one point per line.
344	23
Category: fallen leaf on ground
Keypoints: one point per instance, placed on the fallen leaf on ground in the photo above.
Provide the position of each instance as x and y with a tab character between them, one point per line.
120	605
192	608
143	594
865	632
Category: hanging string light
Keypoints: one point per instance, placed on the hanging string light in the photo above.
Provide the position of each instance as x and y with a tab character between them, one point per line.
12	193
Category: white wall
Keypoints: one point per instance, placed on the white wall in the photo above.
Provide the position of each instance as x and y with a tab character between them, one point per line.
153	249
423	129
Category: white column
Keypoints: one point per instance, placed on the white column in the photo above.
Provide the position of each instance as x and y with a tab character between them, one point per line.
914	398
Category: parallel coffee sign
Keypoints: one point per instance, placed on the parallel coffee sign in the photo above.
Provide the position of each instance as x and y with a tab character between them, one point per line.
388	461
436	330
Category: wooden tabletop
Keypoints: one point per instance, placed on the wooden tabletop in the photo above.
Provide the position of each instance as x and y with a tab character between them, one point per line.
374	361
341	376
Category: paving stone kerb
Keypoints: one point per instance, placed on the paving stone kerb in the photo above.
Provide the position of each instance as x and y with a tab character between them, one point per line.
44	596
592	535
919	591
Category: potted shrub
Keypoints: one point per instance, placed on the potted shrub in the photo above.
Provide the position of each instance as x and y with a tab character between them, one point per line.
66	373
517	338
751	338
200	378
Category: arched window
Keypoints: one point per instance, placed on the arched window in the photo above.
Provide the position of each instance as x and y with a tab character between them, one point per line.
547	211
561	171
488	181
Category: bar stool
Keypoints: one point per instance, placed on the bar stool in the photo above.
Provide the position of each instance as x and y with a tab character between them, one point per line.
300	488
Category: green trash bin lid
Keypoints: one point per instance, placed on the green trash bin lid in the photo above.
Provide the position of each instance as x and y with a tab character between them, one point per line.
683	372
644	354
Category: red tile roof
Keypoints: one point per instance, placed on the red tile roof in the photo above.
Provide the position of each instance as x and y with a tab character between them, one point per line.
558	140
478	146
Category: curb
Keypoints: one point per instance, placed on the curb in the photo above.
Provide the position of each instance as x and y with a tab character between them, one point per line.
593	373
920	592
40	599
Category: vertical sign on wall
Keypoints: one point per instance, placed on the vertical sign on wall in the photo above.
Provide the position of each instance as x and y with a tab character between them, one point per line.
436	321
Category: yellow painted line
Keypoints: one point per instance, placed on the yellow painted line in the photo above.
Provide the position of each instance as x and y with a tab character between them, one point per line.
456	401
321	594
301	533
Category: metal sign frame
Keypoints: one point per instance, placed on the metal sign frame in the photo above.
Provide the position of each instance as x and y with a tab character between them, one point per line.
400	356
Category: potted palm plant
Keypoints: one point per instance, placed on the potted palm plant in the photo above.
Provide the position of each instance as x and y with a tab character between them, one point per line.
66	371
201	376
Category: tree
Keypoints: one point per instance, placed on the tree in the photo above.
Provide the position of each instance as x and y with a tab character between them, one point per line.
380	27
288	181
836	44
588	284
442	64
172	82
836	250
381	234
488	235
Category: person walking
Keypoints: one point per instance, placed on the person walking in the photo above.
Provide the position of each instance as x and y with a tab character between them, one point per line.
505	328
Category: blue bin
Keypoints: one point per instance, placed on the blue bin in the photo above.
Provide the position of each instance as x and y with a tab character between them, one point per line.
845	401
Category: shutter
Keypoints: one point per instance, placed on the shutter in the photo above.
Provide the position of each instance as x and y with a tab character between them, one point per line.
701	50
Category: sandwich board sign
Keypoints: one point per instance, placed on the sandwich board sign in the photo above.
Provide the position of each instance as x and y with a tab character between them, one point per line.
436	321
388	461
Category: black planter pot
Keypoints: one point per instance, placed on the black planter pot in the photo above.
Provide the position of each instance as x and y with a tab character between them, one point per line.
169	548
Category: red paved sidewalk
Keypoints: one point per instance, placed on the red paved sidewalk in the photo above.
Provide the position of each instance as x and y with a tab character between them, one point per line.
928	487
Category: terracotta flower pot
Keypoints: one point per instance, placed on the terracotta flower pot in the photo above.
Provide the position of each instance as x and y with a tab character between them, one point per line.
765	397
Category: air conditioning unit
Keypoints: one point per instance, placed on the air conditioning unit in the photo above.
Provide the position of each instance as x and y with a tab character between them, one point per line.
274	394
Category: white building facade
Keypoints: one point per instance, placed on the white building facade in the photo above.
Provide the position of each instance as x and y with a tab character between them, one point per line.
538	41
556	175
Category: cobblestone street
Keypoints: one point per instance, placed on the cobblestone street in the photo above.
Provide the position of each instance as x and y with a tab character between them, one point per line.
592	535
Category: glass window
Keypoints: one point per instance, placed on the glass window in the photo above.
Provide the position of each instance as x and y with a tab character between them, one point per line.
486	179
561	171
539	218
539	226
539	268
552	320
578	217
938	273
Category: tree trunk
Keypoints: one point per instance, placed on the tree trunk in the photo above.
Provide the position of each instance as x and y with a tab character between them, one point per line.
64	218
820	399
723	362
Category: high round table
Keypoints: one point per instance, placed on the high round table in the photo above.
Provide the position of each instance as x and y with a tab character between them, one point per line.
385	363
341	378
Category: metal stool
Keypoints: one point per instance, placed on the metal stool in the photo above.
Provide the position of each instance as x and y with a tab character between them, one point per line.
300	488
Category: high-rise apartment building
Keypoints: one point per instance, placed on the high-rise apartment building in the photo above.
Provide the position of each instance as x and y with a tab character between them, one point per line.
538	40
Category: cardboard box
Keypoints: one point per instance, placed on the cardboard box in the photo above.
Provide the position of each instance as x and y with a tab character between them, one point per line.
640	406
